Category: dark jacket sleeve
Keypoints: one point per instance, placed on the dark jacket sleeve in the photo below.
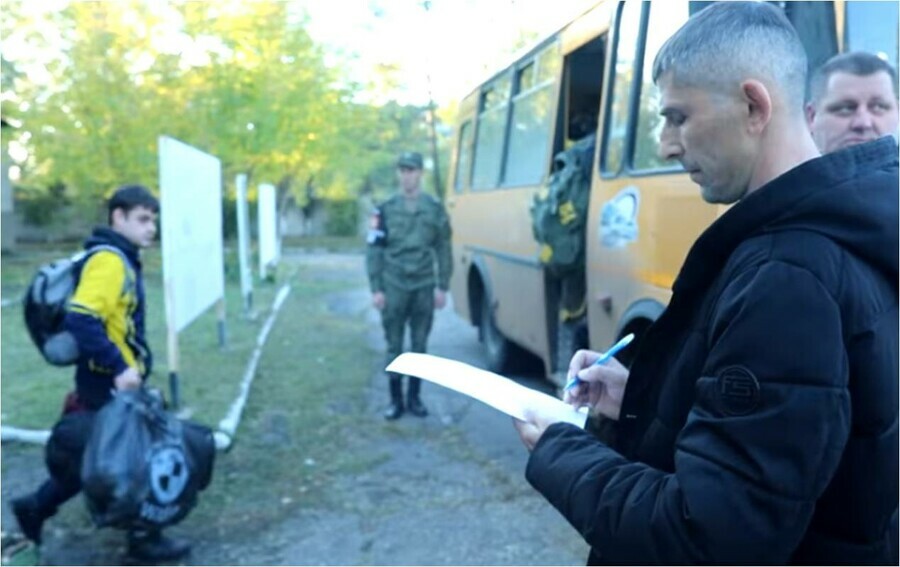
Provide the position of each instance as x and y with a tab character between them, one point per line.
443	250
745	482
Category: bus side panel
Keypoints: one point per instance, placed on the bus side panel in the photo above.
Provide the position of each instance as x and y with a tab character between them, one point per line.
630	263
495	227
459	291
520	313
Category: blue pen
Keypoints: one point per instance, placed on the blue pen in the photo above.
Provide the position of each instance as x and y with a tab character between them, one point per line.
623	342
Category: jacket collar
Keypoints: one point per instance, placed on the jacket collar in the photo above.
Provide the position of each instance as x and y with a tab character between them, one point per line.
795	198
108	236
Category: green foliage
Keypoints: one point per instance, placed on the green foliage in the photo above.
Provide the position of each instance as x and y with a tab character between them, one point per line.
342	217
39	206
243	81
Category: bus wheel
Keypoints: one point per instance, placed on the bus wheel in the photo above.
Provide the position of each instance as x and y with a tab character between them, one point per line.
496	346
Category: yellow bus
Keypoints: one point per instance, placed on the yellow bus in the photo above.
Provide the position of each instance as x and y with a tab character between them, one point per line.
643	214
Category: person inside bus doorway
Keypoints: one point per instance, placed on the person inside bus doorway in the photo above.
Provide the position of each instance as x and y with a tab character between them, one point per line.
409	263
758	422
853	99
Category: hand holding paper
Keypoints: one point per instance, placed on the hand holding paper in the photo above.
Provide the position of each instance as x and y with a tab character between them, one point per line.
496	391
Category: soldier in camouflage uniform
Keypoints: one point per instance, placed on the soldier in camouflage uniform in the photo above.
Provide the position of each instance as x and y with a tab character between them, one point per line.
409	264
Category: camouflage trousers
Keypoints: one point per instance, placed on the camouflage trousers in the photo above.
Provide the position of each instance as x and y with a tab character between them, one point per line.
402	307
571	331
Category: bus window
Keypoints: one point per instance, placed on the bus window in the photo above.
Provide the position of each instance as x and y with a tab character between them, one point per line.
872	27
619	104
665	19
532	110
463	159
490	134
549	63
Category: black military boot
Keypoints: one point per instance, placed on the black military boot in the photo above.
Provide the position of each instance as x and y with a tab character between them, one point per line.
151	546
31	516
413	403
395	410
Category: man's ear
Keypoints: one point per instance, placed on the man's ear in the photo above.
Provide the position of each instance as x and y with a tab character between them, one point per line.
118	216
759	105
810	114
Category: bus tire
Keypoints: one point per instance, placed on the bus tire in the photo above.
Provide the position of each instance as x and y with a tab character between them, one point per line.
496	346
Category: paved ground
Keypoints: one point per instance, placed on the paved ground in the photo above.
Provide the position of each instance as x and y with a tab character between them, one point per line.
448	490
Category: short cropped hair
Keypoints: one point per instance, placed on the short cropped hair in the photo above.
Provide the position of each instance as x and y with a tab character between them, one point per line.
729	42
859	63
128	197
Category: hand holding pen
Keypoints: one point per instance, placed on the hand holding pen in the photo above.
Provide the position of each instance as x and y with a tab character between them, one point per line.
597	380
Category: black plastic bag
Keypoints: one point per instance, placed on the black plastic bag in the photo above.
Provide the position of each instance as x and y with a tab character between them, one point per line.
143	467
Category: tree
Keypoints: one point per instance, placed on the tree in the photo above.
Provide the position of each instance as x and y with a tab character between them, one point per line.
240	80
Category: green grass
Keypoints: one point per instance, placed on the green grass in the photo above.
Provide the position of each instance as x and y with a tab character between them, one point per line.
305	417
32	390
310	366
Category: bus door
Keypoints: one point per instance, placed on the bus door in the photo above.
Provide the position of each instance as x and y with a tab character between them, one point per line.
576	132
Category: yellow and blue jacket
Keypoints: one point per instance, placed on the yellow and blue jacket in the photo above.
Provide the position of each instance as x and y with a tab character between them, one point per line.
106	316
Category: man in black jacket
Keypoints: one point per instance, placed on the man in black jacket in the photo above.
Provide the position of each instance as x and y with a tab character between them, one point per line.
758	423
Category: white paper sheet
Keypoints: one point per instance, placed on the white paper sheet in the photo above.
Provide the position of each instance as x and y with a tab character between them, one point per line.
494	390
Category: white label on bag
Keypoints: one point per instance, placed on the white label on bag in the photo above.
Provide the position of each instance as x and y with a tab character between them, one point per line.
168	473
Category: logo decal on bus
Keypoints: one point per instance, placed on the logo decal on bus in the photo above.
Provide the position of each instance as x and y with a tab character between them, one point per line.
618	220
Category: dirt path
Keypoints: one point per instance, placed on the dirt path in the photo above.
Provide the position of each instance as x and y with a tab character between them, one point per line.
446	490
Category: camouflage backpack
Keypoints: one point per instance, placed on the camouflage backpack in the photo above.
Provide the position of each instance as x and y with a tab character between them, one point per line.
559	211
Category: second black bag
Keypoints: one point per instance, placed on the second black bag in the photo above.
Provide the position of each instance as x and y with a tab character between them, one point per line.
143	467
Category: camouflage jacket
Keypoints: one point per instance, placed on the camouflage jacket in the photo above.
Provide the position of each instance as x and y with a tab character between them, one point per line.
409	249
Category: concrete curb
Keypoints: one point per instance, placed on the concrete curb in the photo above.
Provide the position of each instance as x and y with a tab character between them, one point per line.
228	426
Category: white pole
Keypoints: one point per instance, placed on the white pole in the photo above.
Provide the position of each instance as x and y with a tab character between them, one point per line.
267	236
243	218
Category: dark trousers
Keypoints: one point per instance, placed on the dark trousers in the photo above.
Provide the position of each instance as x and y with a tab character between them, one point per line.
414	308
63	455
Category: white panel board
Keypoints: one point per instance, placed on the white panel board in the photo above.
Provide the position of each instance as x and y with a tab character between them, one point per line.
190	183
268	228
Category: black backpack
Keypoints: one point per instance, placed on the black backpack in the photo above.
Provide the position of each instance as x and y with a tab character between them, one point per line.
47	299
559	212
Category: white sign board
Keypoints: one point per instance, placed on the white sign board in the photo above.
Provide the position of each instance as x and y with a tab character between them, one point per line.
190	183
268	228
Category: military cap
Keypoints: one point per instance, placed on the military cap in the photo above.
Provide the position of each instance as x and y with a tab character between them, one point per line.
410	159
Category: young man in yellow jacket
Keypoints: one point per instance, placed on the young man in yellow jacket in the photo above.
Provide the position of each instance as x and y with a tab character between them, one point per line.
106	315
